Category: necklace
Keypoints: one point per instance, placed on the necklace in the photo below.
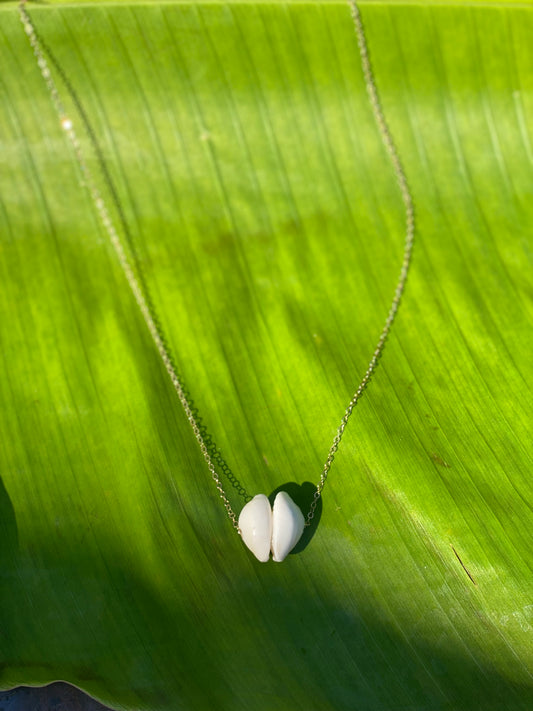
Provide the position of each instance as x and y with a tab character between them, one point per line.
264	529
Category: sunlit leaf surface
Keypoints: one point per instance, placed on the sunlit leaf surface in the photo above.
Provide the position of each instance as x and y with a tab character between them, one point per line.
269	229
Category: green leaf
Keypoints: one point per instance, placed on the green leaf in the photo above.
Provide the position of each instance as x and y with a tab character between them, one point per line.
269	229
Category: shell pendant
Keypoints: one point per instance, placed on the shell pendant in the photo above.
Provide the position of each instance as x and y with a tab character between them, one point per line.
277	529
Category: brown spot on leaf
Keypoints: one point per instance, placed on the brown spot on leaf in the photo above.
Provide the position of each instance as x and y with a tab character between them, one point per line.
439	460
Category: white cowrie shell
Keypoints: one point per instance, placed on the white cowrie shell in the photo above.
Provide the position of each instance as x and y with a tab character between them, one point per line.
263	530
255	523
288	524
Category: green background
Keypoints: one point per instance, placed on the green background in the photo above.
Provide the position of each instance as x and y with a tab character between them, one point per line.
269	229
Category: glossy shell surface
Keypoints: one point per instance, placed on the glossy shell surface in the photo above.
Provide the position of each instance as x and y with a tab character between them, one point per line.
255	522
287	526
264	529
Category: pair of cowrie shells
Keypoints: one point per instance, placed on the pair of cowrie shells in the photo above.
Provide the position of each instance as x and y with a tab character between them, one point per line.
278	529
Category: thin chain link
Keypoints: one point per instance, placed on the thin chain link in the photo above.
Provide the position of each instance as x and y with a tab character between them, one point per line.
133	281
386	137
136	285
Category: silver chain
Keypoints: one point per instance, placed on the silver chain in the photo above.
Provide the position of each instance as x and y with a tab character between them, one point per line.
135	283
124	260
386	137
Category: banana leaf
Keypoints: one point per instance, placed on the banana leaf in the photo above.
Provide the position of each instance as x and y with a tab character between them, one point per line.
268	228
